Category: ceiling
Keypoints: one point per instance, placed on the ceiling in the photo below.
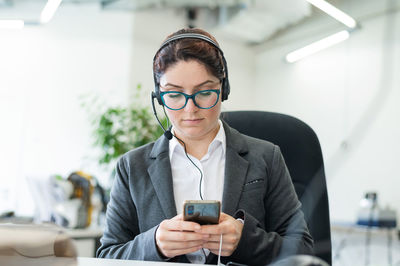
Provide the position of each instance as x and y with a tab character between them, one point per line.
252	21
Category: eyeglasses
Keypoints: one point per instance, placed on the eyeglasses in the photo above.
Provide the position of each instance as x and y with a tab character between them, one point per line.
176	100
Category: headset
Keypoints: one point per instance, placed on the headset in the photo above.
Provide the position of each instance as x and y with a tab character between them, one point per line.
225	88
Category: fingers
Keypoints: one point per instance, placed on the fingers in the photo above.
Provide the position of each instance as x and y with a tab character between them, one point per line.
228	246
224	253
223	227
176	245
177	237
231	231
226	249
223	216
228	238
215	229
176	224
214	247
170	253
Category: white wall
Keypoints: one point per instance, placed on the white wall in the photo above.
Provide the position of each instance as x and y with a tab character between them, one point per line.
45	70
349	95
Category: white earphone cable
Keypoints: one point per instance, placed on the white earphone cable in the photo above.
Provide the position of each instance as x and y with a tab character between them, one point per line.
219	251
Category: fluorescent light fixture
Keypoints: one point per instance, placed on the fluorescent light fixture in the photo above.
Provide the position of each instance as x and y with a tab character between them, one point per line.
317	46
49	10
11	24
334	12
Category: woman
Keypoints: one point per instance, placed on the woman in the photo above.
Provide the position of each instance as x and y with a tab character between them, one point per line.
261	218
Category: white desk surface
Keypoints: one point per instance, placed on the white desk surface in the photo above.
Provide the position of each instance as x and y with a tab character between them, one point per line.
107	262
80	261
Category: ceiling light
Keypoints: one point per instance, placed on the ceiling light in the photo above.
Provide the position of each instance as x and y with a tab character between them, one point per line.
334	12
317	46
49	10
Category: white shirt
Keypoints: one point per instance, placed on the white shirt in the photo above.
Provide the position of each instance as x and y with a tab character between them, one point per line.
186	177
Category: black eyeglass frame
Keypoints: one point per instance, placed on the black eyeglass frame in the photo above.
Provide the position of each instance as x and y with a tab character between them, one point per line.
191	96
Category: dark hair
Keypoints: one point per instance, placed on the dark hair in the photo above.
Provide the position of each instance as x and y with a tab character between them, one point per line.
189	49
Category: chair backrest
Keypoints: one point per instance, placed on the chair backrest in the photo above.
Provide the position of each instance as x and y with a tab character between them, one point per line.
302	153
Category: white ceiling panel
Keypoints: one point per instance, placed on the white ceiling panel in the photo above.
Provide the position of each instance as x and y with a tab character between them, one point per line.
258	21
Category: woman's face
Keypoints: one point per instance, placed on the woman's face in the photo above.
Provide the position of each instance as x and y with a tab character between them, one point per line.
192	122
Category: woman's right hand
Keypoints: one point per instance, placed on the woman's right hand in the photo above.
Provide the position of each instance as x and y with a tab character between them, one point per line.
176	237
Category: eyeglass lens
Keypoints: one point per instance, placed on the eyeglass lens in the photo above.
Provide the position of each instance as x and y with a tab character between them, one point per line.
203	99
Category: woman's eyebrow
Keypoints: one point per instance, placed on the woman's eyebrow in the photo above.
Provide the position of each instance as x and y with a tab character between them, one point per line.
172	85
198	85
204	83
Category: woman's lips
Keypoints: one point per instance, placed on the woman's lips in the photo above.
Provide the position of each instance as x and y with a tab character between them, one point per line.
193	121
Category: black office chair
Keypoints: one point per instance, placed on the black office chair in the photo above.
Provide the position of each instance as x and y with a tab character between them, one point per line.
302	152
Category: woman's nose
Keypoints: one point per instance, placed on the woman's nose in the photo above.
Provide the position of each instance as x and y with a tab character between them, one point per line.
190	106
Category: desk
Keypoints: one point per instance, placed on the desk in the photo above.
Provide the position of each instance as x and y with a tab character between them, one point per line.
81	261
107	262
349	245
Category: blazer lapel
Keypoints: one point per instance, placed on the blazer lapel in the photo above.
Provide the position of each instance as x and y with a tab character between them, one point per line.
235	169
161	176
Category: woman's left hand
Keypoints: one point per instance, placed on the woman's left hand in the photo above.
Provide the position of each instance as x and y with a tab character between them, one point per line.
231	230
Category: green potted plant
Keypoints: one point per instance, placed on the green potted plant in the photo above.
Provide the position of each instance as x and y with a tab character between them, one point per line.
118	129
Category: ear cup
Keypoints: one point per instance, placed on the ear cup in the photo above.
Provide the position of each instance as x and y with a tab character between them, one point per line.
225	89
157	95
156	92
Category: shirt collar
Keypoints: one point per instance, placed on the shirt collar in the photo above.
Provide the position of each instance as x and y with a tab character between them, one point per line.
220	138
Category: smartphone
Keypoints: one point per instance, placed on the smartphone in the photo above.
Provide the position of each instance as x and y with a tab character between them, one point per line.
202	211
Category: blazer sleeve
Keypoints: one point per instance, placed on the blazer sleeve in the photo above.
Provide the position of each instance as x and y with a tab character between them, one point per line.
285	232
122	238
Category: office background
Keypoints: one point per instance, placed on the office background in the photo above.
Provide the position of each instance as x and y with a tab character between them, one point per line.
347	93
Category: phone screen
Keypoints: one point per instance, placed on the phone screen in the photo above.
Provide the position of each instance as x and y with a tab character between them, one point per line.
202	212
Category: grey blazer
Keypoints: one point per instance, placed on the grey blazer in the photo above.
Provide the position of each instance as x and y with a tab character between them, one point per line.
257	187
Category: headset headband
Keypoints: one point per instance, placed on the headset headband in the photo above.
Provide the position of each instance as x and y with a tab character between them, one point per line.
190	36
